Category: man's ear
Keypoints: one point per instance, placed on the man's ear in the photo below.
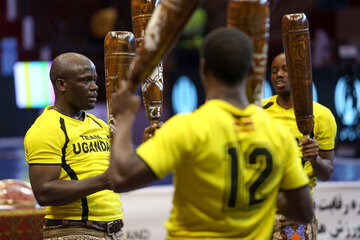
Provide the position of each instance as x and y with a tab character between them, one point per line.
60	84
203	71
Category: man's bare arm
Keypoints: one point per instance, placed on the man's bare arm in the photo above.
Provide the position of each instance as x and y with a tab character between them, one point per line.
127	171
321	161
50	191
296	204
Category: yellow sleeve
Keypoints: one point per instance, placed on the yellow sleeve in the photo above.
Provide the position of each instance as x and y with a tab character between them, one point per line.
169	146
43	146
294	176
325	129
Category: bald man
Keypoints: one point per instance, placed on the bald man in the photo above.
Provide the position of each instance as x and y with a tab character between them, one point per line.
68	151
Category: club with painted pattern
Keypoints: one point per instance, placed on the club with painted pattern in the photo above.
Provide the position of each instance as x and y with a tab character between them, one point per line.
252	17
162	32
296	42
119	51
151	87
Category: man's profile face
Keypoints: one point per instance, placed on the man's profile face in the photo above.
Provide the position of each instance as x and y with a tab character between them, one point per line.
279	76
81	85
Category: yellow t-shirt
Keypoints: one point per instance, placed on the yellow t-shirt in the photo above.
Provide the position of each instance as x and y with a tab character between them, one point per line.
228	166
82	149
324	131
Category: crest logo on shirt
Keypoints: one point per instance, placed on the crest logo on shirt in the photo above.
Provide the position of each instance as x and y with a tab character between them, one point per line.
347	105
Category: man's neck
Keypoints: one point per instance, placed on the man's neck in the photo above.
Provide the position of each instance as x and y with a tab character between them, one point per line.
76	114
233	95
284	102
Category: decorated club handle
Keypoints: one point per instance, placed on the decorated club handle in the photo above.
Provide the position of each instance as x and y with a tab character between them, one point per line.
164	28
296	41
119	51
151	87
252	17
141	12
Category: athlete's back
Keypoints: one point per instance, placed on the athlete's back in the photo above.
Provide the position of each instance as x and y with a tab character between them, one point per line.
228	166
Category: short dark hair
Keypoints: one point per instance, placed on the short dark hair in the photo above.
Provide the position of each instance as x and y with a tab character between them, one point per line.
228	54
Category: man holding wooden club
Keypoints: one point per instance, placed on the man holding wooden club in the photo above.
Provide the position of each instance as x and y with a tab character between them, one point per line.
312	124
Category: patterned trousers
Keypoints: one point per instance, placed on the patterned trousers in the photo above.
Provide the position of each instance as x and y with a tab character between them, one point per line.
288	230
79	233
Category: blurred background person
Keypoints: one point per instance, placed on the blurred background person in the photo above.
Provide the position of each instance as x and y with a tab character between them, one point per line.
317	152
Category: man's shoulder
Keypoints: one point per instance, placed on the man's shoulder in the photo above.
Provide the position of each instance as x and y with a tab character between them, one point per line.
191	121
45	125
267	103
319	106
181	119
321	111
46	120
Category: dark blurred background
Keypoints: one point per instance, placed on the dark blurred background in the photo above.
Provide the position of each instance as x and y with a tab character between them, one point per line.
39	30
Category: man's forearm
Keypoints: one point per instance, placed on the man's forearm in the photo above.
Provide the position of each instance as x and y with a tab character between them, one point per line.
121	148
284	208
323	168
296	204
60	192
